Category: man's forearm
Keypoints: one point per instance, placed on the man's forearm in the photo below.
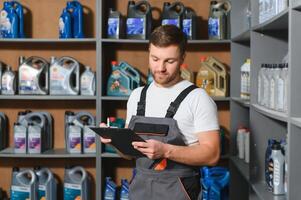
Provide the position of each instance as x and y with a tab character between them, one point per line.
196	155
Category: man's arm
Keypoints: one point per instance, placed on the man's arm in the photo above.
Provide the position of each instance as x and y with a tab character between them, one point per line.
206	152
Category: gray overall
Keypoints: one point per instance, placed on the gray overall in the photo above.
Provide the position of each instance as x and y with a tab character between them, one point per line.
176	181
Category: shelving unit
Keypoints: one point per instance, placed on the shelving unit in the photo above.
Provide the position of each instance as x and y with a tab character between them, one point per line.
96	51
270	41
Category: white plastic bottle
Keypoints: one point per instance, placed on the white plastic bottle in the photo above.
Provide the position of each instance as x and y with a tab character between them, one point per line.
245	79
260	85
284	75
280	89
266	85
273	87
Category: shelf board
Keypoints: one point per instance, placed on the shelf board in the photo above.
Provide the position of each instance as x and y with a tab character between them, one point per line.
48	40
271	113
278	22
243	37
110	155
108	40
114	98
45	97
242	167
243	102
55	153
296	121
262	192
297	7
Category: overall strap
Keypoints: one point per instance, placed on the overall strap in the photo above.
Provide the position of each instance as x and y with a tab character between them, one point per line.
141	103
173	107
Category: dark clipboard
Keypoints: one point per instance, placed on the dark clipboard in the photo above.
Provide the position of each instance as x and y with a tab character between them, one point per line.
122	139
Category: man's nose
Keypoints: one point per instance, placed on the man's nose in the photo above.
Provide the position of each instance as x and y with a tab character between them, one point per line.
162	66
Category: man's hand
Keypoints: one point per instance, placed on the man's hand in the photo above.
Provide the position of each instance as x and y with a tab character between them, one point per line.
153	149
104	140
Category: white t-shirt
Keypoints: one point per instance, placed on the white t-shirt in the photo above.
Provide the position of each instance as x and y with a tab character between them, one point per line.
197	112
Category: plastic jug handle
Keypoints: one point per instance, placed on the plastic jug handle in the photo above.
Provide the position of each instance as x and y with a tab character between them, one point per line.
146	4
27	171
178	3
75	169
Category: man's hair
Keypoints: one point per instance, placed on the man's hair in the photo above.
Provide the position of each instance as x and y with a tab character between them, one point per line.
166	35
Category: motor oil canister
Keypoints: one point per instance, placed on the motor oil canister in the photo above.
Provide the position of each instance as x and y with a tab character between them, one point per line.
87	82
119	83
115	25
65	25
110	189
222	77
33	76
76	184
3	130
189	24
76	10
132	73
65	76
8	81
24	185
44	121
206	77
139	20
186	73
218	20
47	184
74	138
173	14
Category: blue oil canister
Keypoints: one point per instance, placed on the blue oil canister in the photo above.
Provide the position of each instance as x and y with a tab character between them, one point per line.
76	10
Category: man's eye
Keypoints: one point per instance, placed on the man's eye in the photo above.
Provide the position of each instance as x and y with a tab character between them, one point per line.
170	61
155	59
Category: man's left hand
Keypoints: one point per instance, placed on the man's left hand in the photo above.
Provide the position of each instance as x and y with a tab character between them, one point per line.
153	149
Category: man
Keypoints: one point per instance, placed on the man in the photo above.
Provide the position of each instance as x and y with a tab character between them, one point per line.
177	120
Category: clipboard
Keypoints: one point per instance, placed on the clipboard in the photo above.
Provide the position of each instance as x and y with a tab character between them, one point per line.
122	139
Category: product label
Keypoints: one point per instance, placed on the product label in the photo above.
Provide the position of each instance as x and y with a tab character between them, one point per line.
276	174
171	22
7	84
72	191
61	25
20	141
214	27
187	27
135	26
75	142
58	79
42	192
28	80
19	192
113	26
89	141
34	142
5	24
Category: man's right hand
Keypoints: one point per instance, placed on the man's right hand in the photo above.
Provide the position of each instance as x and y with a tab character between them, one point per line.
104	140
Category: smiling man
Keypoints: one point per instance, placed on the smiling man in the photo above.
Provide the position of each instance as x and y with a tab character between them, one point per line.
177	120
